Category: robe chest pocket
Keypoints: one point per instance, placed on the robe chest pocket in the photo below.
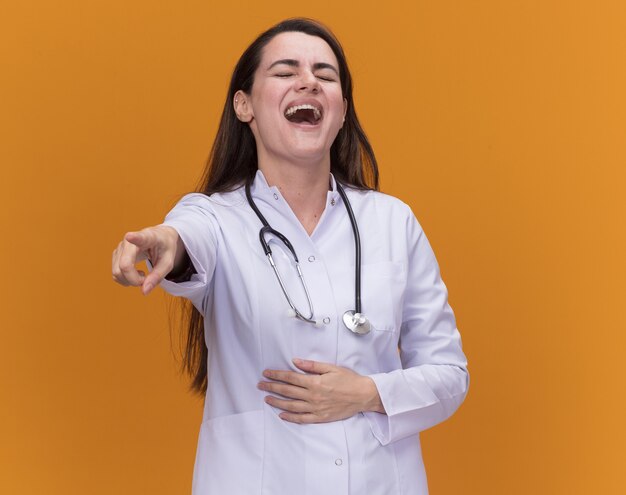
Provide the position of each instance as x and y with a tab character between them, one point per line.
382	289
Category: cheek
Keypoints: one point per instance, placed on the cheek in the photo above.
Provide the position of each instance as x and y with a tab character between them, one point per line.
266	101
338	112
336	103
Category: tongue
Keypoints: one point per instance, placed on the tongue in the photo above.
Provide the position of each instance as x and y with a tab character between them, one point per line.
305	115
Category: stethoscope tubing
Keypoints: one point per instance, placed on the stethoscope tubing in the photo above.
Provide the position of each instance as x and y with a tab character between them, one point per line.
357	249
353	316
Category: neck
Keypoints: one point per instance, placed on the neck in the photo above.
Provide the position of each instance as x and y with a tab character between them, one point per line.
304	187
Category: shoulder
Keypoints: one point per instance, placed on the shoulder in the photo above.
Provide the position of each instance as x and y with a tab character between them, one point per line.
214	201
394	218
383	204
204	211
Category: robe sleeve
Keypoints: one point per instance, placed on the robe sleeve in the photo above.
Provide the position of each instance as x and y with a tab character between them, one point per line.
193	219
433	381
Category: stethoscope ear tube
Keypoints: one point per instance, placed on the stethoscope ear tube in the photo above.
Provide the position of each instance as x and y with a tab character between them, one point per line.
266	247
297	313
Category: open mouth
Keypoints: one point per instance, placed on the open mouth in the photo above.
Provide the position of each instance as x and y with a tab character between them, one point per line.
303	114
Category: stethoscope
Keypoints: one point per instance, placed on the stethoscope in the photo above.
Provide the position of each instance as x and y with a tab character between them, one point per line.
354	320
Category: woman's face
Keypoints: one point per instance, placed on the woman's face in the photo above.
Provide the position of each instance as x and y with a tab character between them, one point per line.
295	108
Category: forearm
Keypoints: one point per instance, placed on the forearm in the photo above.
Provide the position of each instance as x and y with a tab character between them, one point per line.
417	398
182	262
371	398
182	267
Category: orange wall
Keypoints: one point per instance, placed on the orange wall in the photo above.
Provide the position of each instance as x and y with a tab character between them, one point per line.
501	123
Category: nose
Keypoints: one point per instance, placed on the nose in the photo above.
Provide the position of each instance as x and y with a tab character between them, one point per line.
308	82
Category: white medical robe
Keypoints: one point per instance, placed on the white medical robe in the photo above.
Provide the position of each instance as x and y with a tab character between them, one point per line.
413	352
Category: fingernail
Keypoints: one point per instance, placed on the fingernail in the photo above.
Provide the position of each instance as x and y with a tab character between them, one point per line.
297	361
147	288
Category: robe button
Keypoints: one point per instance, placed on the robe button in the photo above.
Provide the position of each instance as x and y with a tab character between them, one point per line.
311	258
326	320
332	202
338	462
275	196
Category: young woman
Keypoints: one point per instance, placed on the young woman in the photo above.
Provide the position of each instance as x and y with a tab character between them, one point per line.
305	282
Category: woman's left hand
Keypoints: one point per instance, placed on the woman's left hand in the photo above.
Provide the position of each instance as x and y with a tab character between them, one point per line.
324	393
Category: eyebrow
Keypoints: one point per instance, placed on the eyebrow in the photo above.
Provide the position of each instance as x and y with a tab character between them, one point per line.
294	63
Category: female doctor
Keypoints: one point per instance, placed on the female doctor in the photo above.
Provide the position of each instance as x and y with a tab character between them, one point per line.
305	282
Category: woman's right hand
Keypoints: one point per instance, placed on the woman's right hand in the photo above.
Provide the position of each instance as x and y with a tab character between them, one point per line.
161	245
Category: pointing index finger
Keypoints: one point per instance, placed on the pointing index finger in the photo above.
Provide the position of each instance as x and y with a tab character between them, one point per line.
140	239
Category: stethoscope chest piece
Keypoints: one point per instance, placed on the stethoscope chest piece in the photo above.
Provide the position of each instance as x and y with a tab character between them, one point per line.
356	322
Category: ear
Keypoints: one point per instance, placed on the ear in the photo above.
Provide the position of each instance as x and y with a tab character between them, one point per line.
345	109
242	106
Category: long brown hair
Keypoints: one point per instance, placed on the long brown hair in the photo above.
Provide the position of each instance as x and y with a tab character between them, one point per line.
233	162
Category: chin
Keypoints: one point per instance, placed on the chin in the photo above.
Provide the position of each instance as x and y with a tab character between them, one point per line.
309	147
304	153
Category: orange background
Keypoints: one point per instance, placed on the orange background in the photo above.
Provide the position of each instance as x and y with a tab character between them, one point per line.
503	124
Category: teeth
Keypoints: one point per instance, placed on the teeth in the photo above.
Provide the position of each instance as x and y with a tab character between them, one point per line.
291	110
